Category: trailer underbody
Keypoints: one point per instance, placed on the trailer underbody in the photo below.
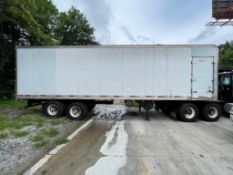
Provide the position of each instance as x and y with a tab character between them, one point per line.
185	110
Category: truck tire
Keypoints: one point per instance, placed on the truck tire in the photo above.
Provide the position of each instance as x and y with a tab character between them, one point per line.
53	108
129	103
90	106
188	112
77	110
166	111
211	112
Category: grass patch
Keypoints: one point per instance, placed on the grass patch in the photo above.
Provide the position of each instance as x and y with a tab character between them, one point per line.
62	140
59	121
52	132
3	135
20	133
39	125
39	141
12	104
41	144
12	120
18	122
37	138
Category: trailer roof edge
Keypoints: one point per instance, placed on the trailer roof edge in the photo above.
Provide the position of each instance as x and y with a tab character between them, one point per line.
117	46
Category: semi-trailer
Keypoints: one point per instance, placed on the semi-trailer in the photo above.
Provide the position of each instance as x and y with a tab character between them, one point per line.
73	79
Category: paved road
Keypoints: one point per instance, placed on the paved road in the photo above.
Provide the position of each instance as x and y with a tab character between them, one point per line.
135	146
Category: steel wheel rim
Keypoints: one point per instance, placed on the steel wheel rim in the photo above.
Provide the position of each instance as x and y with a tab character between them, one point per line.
189	113
52	110
212	112
75	111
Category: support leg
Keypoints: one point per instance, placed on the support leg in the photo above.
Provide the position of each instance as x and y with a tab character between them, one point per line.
147	115
147	105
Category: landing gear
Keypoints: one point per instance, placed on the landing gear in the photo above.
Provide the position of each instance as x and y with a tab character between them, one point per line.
139	108
147	105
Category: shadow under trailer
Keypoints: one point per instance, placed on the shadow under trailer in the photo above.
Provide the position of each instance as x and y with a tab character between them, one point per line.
72	80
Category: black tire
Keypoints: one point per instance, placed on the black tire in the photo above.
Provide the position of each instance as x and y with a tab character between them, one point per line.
211	112
129	103
188	112
90	106
53	109
166	111
77	110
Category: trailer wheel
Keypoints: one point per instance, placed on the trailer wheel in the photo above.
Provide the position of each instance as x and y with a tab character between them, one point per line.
90	106
166	111
77	110
188	112
53	108
129	103
211	112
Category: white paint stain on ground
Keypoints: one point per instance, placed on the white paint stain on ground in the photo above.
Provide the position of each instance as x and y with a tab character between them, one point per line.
114	150
116	141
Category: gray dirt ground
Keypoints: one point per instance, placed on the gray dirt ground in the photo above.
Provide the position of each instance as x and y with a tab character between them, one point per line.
135	146
18	154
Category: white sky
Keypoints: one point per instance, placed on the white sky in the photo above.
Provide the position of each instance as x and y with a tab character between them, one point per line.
150	21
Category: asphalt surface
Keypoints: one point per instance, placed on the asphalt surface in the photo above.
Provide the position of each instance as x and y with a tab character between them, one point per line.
135	146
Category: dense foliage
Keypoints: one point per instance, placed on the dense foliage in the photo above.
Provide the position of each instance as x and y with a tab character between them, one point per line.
30	22
226	55
69	32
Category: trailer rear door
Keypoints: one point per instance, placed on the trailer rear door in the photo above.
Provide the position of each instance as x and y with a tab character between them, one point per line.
202	77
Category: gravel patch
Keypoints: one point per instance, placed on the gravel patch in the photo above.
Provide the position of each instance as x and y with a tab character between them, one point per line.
110	112
14	113
15	152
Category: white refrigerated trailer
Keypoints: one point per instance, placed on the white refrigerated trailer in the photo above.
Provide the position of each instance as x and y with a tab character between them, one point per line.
183	78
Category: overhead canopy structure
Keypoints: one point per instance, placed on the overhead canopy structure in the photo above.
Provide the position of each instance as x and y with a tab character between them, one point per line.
223	13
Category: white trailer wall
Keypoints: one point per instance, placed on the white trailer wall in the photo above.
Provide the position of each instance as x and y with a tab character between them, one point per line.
110	72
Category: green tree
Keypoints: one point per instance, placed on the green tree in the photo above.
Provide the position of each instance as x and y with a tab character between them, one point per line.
226	55
46	15
74	29
16	25
36	22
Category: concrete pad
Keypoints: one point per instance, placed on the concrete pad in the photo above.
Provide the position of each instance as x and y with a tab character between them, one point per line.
135	146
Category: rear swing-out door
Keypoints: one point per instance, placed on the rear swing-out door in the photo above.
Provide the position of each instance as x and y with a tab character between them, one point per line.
202	77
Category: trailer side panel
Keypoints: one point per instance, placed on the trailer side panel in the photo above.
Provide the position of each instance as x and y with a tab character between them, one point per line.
120	72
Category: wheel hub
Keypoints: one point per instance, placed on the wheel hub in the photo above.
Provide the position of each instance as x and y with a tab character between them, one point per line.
52	110
212	112
189	113
75	111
